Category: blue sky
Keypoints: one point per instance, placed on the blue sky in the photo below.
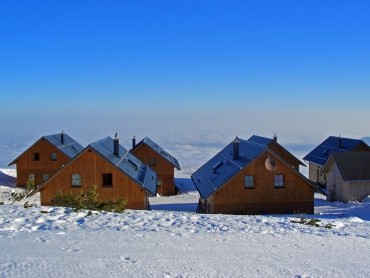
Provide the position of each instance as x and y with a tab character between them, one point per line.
297	68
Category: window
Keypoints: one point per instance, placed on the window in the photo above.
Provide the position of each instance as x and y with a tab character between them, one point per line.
152	161
279	181
36	156
107	180
45	177
159	182
76	180
31	177
248	182
53	156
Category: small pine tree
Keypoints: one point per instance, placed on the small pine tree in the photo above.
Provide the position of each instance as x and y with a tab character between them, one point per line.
88	201
15	197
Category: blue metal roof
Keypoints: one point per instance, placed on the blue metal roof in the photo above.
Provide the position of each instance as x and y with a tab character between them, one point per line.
261	140
127	163
69	147
219	169
322	152
160	151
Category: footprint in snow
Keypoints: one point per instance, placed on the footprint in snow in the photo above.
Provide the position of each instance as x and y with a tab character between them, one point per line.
69	250
128	259
41	240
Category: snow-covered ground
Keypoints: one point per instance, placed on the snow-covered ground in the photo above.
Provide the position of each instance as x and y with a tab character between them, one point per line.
172	241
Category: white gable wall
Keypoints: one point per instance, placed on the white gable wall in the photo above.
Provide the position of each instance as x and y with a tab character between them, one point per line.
315	175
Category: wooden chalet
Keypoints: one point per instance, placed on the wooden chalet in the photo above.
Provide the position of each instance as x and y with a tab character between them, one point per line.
46	156
348	176
160	161
254	176
319	156
114	170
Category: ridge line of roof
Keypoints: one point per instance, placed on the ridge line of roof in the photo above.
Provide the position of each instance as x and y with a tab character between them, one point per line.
315	156
334	148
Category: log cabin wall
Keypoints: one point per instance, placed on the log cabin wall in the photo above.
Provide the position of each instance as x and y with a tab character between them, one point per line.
91	166
163	168
27	164
297	196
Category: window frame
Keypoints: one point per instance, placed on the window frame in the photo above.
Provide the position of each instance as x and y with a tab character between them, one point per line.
31	177
36	156
279	181
76	180
45	177
152	161
248	180
107	180
53	156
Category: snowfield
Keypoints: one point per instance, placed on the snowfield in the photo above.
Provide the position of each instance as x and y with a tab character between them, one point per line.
173	241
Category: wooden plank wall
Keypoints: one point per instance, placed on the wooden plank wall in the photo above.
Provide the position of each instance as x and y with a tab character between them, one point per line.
163	168
26	165
292	160
296	197
357	191
91	166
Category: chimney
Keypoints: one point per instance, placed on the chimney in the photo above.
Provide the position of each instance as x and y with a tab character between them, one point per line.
275	138
339	141
236	148
133	142
62	137
116	146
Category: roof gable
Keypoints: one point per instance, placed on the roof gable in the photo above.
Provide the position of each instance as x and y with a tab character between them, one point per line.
62	141
275	145
353	166
127	163
322	152
150	143
261	140
218	170
69	146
